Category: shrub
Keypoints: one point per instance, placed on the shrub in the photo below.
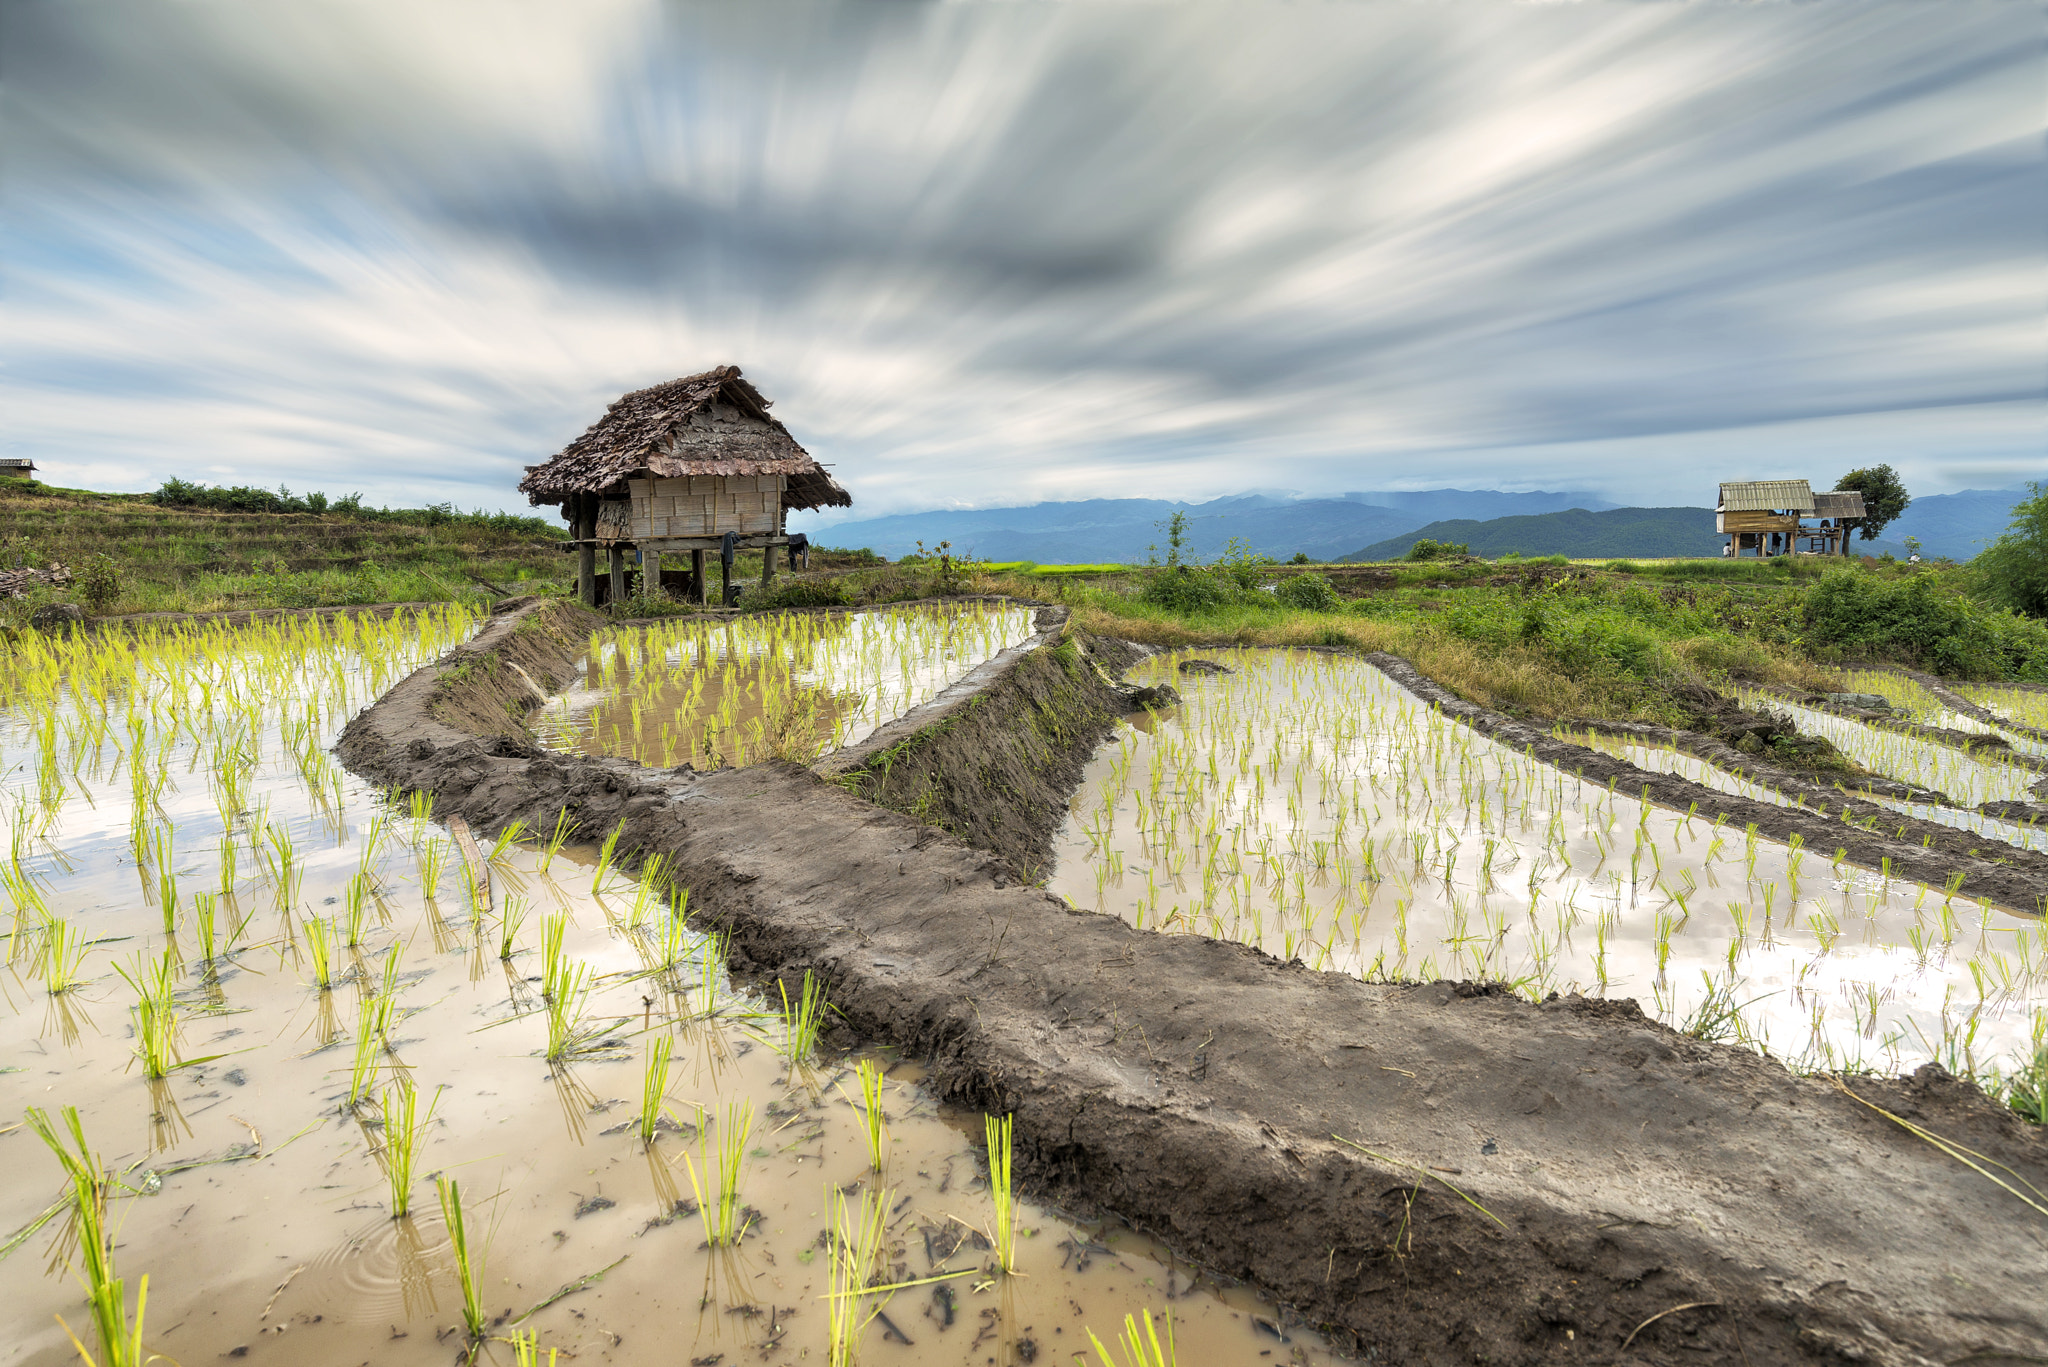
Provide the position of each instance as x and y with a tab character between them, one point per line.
1309	593
2013	571
1300	558
803	592
1427	549
1186	590
1240	564
1915	620
99	583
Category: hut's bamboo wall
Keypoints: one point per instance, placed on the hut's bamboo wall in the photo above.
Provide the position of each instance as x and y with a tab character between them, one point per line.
706	505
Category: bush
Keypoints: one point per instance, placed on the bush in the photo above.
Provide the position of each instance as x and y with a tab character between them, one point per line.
1426	549
1300	558
242	498
1916	621
1186	590
801	592
99	584
1309	593
1240	564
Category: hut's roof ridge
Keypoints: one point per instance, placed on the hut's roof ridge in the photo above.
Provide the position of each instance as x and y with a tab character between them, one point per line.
650	429
1767	495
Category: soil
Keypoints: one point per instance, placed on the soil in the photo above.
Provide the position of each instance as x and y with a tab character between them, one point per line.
1647	1197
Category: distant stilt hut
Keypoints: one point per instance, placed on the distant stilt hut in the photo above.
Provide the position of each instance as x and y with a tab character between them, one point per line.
1768	516
680	467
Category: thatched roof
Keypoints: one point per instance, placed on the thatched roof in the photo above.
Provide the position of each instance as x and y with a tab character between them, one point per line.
1767	496
709	424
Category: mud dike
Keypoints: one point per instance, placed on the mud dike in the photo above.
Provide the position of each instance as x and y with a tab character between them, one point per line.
1437	1172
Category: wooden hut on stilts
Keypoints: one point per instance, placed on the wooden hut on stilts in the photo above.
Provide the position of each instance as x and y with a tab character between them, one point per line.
694	465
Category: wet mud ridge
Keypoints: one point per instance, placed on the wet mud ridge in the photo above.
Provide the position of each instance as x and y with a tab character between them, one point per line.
1443	1173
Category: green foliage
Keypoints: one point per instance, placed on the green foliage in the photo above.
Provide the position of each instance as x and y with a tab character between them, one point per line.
1916	620
1188	590
1176	529
1300	558
1308	593
2013	571
1427	549
860	558
1884	497
242	498
99	583
807	592
1240	564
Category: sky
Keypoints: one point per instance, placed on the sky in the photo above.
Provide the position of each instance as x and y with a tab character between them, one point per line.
994	254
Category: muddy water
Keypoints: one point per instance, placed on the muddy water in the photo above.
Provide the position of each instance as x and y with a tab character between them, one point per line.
1307	804
258	1201
790	687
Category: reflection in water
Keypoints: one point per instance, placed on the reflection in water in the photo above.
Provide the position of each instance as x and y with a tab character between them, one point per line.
167	1123
787	687
415	1270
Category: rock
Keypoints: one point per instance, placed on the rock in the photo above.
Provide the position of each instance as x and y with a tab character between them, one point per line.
1156	696
57	618
1202	667
1868	702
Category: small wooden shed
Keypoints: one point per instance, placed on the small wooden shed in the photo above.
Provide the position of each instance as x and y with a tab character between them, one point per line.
678	467
17	467
1769	516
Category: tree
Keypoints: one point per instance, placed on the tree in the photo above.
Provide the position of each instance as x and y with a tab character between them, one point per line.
1884	497
2013	570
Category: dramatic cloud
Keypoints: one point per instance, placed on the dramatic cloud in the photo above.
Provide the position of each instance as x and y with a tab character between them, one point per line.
997	254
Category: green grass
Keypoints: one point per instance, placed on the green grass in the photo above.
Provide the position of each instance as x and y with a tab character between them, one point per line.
169	559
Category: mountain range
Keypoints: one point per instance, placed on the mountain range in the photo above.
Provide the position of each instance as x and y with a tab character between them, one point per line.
1126	530
1378	525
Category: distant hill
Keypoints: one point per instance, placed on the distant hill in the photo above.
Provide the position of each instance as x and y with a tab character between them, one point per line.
1126	529
1436	505
1956	525
1645	532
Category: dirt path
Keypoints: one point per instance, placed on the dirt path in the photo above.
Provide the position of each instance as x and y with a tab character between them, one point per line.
1693	1201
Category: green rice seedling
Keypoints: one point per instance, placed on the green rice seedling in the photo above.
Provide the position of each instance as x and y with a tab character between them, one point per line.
647	893
507	838
552	929
654	1086
404	1127
711	956
64	948
719	1206
856	1239
355	897
605	854
566	1010
803	1019
469	1260
203	912
508	926
874	1125
1138	1348
120	1341
1002	1190
363	1069
433	858
556	839
320	949
526	1349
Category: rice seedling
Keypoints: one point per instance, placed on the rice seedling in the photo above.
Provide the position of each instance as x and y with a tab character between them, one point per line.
874	1125
320	949
719	1204
552	929
507	838
63	956
857	1238
654	1086
469	1259
363	1067
1002	1190
605	854
403	1129
803	1019
566	1011
120	1340
355	898
508	927
526	1349
433	858
1138	1347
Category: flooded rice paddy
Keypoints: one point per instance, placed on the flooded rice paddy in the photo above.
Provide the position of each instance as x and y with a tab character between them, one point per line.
1915	701
791	687
285	1005
1967	780
1307	804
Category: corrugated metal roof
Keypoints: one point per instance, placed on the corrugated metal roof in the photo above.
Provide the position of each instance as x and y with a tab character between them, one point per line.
1767	495
1846	503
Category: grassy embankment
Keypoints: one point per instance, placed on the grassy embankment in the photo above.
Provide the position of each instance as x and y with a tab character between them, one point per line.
187	559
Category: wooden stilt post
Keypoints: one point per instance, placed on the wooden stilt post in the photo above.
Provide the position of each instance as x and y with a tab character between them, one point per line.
618	568
586	550
650	573
697	576
767	564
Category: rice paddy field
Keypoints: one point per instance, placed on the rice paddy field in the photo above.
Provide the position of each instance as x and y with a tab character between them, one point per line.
788	687
1305	803
293	1070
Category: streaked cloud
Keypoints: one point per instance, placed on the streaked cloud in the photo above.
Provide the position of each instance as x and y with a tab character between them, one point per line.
997	254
